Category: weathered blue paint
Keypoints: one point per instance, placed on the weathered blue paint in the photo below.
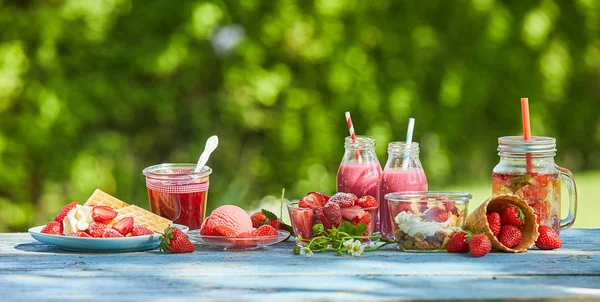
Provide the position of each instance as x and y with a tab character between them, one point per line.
31	271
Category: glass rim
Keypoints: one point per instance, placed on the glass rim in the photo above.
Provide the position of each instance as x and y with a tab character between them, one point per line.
149	171
517	144
457	197
294	205
362	142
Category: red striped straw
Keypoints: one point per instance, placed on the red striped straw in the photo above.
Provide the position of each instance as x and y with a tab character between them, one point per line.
352	134
526	132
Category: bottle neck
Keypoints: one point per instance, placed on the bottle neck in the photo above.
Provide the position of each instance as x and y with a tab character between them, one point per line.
360	143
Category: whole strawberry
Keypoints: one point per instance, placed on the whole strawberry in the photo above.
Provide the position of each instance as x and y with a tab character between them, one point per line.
510	236
64	211
173	240
258	219
333	213
513	216
479	245
344	200
548	238
53	227
266	230
494	222
458	243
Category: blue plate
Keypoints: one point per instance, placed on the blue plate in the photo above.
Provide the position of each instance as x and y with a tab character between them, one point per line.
101	245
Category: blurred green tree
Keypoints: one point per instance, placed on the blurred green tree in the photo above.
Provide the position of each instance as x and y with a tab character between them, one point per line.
91	92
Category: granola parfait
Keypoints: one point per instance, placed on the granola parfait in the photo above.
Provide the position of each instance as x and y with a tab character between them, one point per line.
425	221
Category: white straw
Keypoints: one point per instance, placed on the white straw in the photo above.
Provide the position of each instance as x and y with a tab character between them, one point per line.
409	135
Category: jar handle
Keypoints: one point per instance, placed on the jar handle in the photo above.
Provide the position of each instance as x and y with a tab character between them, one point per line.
568	221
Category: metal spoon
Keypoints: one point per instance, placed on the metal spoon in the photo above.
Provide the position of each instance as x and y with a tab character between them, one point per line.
211	144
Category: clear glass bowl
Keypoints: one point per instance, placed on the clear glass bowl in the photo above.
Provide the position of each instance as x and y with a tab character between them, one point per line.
425	221
303	219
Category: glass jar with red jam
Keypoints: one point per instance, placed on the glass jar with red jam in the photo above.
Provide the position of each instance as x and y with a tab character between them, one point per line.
178	193
527	169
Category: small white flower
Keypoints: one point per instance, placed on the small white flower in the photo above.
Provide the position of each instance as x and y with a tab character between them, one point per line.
357	248
306	251
329	246
348	244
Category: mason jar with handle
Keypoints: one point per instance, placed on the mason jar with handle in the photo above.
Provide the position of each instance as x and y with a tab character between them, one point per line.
527	169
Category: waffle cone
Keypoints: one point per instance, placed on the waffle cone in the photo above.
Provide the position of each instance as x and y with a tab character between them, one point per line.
141	216
146	218
477	222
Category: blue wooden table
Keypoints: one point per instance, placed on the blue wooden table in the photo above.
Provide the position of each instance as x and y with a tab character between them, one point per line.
31	271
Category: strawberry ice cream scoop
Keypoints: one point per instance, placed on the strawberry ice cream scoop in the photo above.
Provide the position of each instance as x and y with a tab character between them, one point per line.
230	216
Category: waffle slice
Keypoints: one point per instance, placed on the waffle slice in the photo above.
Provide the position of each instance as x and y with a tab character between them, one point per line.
146	218
101	198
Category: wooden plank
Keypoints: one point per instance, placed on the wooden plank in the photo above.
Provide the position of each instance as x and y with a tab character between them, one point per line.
37	271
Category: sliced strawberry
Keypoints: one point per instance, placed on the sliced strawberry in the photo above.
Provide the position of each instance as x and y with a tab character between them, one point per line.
364	219
353	213
124	226
302	221
96	229
323	219
367	202
80	234
111	233
103	214
140	230
53	227
205	229
344	200
64	211
313	200
225	231
333	213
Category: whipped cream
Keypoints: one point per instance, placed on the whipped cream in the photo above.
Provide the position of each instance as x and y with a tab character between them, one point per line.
78	219
412	224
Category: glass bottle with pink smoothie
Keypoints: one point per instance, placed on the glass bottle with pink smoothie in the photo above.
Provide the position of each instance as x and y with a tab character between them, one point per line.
360	171
403	172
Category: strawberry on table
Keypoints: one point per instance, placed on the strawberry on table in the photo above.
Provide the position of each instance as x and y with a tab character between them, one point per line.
64	211
510	236
548	238
512	215
458	243
258	219
343	200
110	233
479	245
140	230
96	229
103	214
493	219
53	227
174	240
124	226
367	202
313	200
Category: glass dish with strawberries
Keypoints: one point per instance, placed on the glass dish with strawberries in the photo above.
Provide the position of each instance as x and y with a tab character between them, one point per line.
318	208
527	169
425	221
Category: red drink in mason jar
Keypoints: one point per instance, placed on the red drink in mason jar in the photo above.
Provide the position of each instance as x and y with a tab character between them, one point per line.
527	169
178	193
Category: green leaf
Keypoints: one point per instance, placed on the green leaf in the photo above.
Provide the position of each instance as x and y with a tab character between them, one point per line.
360	229
287	227
270	215
346	227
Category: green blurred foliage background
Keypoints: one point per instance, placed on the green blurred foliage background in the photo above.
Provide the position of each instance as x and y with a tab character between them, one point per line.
91	92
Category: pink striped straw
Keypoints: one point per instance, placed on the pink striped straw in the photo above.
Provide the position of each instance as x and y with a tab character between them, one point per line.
352	134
